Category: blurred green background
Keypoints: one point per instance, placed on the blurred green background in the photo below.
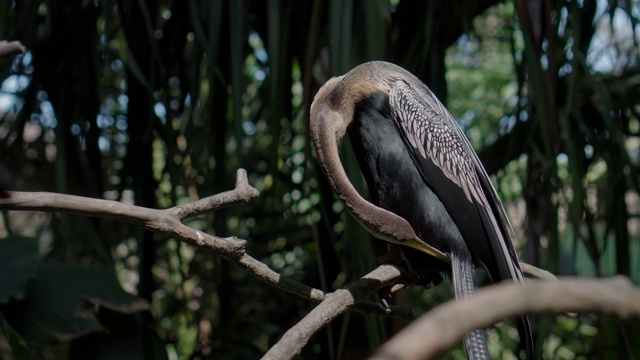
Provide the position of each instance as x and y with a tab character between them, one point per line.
158	103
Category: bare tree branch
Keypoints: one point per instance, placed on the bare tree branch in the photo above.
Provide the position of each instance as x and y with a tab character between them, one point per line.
240	195
167	222
446	325
338	302
333	306
536	272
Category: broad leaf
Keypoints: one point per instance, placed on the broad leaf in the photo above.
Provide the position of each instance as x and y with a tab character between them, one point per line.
18	347
18	263
62	301
126	339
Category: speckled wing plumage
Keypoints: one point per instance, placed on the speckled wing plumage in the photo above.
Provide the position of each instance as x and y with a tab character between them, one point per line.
430	131
450	167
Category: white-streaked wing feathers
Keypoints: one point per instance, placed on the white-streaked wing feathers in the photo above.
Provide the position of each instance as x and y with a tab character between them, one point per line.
425	94
433	132
427	127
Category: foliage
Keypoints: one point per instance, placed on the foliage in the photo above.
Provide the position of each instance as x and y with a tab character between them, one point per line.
158	103
62	300
18	264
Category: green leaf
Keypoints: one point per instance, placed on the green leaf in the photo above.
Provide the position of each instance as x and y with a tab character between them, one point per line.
62	301
132	64
17	344
238	40
18	263
279	69
377	20
340	39
125	340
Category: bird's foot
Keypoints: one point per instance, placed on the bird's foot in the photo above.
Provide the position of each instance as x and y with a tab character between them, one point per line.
420	271
386	294
395	256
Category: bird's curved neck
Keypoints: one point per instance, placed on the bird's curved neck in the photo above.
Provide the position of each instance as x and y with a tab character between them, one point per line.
381	223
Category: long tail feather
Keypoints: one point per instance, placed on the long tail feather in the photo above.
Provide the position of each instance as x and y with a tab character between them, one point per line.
475	344
524	329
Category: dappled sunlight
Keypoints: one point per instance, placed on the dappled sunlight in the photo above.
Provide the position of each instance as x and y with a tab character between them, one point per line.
157	104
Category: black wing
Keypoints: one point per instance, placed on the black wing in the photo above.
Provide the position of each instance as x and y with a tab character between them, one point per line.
451	168
453	171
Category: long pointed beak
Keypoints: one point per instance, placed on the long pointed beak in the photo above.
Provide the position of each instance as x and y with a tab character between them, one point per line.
427	249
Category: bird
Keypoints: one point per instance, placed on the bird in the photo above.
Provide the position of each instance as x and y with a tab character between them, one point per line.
428	188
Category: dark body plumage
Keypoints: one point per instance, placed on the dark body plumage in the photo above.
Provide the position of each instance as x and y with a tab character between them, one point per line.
419	166
394	182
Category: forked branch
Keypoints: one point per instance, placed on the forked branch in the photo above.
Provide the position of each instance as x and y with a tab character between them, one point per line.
168	223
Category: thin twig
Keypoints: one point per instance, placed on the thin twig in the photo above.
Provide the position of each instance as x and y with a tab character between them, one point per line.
242	193
446	325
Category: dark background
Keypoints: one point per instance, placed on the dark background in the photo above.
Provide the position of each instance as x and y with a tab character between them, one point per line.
159	102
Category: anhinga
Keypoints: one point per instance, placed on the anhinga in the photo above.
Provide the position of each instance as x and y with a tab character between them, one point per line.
429	188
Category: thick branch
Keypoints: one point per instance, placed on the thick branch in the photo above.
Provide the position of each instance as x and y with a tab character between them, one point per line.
446	325
536	272
52	202
333	306
336	303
